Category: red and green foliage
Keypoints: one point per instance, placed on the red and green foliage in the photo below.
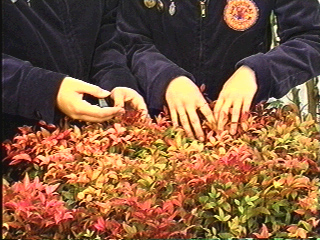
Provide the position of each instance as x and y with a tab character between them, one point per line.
134	178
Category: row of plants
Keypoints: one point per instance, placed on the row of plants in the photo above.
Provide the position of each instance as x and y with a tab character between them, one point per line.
138	178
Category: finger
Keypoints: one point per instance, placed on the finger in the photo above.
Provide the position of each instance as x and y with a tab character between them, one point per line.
173	115
185	122
246	105
122	96
87	112
207	112
235	115
223	114
138	103
195	123
91	89
141	106
217	108
118	98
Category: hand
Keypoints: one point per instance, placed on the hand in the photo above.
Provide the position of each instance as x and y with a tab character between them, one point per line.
70	101
235	98
184	99
122	95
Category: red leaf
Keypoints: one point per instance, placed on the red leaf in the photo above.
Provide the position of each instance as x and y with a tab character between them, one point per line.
264	233
19	158
52	188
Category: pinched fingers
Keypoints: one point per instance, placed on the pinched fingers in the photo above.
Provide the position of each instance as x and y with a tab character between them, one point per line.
123	95
91	113
118	98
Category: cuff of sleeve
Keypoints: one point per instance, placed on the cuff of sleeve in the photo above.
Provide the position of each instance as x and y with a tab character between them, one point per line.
259	64
156	93
38	98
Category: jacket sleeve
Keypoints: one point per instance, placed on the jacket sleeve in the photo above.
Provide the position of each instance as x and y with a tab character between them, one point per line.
29	91
109	68
153	70
297	58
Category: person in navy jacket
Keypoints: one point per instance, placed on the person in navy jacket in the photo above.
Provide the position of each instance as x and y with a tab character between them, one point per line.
56	52
175	46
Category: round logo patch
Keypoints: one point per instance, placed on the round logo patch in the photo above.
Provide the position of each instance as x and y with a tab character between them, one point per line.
240	14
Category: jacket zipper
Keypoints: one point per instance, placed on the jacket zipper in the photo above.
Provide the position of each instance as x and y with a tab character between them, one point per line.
203	8
203	14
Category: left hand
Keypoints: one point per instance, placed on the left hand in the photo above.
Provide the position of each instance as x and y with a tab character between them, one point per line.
123	95
235	97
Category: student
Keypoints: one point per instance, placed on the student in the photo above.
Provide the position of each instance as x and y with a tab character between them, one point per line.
175	46
51	51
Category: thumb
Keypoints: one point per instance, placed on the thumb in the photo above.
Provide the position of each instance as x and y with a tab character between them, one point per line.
93	90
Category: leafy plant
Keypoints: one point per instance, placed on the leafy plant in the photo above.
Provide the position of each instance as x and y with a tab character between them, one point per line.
135	178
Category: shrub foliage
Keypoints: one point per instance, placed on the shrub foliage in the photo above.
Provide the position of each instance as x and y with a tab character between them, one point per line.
135	178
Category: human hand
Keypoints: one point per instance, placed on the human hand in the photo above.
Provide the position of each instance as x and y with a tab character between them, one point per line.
70	101
184	99
123	95
235	97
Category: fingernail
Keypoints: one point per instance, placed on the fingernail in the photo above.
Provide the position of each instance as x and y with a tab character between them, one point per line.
201	139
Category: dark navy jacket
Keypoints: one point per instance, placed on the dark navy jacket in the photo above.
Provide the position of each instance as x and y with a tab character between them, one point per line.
48	40
163	46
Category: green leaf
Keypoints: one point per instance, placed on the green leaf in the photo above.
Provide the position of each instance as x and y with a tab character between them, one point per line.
288	218
212	195
226	206
226	218
213	190
203	199
253	198
210	205
250	204
241	209
306	225
237	202
225	235
214	231
263	210
228	185
131	230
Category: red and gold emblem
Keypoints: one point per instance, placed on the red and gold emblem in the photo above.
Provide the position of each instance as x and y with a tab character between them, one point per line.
241	14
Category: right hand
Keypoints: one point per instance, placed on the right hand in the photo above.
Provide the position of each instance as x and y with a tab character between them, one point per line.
184	99
70	101
123	96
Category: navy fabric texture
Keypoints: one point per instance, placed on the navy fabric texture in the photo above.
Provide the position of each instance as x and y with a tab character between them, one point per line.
162	46
49	40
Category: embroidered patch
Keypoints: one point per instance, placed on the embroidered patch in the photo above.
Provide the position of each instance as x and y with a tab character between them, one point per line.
240	15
